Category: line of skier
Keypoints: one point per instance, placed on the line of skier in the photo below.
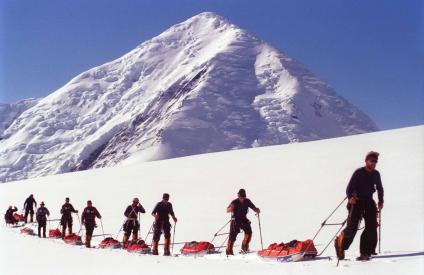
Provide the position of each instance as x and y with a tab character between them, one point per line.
362	185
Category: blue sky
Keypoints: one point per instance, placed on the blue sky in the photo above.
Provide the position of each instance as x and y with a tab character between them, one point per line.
370	52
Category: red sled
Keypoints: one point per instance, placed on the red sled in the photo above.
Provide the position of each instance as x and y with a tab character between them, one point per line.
27	231
55	233
110	242
293	251
138	247
18	217
197	248
73	239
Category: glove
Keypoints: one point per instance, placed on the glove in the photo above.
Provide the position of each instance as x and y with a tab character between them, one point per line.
380	205
353	200
175	219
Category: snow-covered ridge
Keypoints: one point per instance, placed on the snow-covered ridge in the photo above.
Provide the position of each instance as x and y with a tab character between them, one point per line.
203	85
10	112
296	186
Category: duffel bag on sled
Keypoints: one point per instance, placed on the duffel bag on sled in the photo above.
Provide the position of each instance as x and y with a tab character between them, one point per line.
109	242
197	248
138	247
27	230
289	252
73	239
55	233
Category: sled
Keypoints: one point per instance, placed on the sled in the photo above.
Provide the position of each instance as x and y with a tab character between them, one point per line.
110	242
27	231
18	217
73	239
293	251
197	248
55	233
137	247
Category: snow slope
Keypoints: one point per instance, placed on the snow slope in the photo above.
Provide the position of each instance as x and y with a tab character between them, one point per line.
296	186
10	112
203	85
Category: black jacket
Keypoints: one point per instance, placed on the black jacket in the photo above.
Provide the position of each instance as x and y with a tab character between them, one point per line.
8	216
163	210
132	211
89	215
240	209
41	214
364	183
29	203
67	210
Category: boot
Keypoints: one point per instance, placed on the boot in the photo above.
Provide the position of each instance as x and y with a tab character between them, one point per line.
135	237
338	245
229	250
363	257
245	243
125	239
63	232
88	241
166	248
39	232
155	248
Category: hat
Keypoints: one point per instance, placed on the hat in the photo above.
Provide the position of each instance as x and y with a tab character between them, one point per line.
242	193
89	202
165	196
42	203
66	199
371	155
136	200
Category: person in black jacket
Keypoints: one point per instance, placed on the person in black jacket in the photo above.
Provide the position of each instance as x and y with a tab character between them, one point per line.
41	217
8	216
66	220
161	214
363	184
239	208
132	224
29	208
88	218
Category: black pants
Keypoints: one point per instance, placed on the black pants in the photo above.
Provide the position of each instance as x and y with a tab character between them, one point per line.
66	221
31	212
131	226
89	228
161	225
42	225
367	210
235	227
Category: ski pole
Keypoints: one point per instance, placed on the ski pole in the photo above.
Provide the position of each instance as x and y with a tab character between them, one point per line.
260	230
79	223
173	238
101	223
379	231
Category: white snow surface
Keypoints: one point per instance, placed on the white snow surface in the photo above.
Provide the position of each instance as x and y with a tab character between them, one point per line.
203	85
296	186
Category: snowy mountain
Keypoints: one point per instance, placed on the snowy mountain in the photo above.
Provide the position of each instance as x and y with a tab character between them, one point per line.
203	85
10	112
296	186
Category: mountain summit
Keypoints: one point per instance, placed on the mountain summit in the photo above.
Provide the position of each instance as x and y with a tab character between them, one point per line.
203	85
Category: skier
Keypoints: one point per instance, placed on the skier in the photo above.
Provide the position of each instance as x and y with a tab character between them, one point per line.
66	220
132	224
8	216
41	214
88	218
364	182
239	208
29	208
161	214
